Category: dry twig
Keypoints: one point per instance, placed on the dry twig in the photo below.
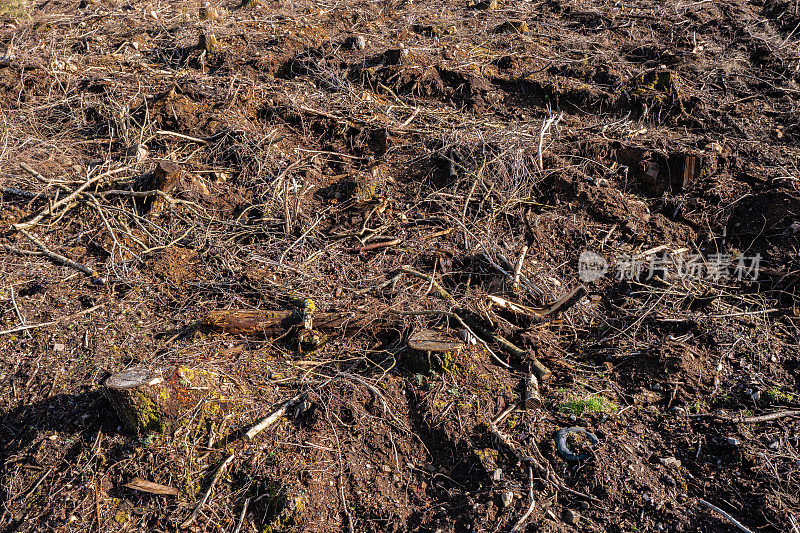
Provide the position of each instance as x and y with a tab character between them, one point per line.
192	517
274	416
731	519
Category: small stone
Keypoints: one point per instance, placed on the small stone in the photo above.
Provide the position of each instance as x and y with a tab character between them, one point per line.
670	461
659	527
572	418
507	498
59	347
733	441
774	445
395	478
496	474
386	468
570	517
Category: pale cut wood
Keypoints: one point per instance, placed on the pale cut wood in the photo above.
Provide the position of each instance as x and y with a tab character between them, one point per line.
429	340
143	485
134	377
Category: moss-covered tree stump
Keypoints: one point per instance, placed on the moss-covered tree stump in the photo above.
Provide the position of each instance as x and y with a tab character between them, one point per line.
160	401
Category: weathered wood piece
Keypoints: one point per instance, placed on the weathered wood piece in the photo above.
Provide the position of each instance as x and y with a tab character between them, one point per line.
533	397
143	485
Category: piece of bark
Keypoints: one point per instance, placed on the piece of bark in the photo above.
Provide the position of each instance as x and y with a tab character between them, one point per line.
158	401
143	485
164	178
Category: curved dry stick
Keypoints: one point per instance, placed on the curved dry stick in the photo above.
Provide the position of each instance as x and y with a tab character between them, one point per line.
524	518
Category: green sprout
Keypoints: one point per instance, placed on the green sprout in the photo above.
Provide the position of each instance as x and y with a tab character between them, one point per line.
590	403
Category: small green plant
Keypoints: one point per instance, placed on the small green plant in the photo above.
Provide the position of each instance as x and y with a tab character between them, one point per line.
721	398
590	403
776	395
698	407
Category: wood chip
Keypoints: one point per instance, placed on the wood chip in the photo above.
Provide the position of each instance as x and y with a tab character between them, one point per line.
150	487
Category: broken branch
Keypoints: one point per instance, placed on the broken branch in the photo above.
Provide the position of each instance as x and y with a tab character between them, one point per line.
375	246
274	416
730	519
58	258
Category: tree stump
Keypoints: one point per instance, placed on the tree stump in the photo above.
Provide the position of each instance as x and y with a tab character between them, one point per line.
432	350
160	401
164	178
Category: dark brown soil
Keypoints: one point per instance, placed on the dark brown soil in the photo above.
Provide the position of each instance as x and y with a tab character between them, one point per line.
672	126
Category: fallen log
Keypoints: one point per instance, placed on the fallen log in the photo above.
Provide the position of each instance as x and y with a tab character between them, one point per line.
272	323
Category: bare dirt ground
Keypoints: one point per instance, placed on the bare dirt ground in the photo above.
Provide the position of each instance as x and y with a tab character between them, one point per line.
459	135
